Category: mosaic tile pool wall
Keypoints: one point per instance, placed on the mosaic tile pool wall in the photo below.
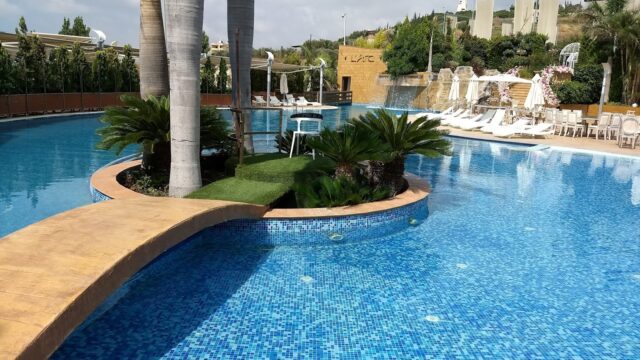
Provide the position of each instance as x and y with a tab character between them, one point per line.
321	230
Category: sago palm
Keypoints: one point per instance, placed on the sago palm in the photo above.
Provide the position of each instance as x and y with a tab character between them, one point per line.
347	147
403	137
144	122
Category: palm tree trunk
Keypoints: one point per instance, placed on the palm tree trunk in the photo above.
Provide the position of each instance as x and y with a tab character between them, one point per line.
240	15
184	25
394	175
154	72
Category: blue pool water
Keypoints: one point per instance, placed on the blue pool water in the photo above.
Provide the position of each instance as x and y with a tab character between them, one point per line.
45	166
524	254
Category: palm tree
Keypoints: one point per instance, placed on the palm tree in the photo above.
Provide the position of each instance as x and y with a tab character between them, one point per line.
403	138
240	16
347	147
620	28
154	72
184	42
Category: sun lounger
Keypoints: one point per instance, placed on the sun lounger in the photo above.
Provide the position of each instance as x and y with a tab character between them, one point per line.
455	120
485	120
303	102
274	101
259	100
544	129
432	115
517	128
495	121
444	119
463	120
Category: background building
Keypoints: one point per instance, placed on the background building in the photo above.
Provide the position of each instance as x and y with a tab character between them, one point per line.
483	23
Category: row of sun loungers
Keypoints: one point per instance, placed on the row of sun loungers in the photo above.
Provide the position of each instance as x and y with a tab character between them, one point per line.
289	100
491	122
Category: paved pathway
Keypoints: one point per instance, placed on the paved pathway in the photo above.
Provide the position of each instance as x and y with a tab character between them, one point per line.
54	273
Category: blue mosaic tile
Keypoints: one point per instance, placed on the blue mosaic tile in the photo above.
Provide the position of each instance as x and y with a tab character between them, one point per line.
523	255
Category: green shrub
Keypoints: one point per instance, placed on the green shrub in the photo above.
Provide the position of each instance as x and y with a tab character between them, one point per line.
591	76
573	92
341	191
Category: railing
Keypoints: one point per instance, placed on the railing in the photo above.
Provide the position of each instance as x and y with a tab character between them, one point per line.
330	97
35	104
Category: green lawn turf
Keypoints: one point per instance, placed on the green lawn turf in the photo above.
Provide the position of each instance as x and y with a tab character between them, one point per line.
247	191
264	178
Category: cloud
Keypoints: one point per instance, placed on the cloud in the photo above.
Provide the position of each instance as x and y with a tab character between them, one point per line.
277	22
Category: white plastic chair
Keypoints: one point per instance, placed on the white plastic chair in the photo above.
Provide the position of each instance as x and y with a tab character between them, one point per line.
558	122
601	127
572	123
629	130
300	119
614	125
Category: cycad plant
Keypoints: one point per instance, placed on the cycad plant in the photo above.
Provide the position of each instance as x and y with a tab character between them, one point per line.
347	147
144	122
403	137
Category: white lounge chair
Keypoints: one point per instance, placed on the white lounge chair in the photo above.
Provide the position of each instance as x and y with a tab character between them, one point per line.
444	119
544	129
303	102
290	100
484	120
432	115
274	101
518	127
497	119
259	101
462	120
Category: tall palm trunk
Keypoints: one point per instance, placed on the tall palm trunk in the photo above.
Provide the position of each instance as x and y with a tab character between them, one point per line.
184	42
240	14
154	73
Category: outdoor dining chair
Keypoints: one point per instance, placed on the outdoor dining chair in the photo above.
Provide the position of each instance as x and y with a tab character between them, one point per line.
614	126
601	127
629	130
314	125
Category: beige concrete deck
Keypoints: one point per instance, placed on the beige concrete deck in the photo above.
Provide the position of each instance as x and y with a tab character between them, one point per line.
581	143
54	273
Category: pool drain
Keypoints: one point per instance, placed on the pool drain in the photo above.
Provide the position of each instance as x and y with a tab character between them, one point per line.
529	229
306	279
413	221
335	237
636	277
462	266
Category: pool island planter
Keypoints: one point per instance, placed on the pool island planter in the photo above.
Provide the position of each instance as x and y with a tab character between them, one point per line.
305	225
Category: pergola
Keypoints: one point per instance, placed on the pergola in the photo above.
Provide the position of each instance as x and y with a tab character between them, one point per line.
10	42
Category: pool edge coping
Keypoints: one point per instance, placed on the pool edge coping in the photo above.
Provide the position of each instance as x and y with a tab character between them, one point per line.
105	182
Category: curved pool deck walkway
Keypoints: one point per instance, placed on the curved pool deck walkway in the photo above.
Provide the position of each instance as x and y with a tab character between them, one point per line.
54	273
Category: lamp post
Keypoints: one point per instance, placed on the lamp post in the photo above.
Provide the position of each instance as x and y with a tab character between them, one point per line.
269	64
344	29
323	64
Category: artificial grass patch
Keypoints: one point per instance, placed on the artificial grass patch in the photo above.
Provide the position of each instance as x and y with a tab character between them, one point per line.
241	190
284	170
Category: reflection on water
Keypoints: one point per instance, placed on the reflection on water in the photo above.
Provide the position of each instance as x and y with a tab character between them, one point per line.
45	167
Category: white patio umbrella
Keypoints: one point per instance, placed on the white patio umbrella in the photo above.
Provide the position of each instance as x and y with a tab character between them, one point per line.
284	85
535	96
454	93
472	89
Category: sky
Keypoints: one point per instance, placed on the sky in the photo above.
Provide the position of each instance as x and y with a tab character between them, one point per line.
277	22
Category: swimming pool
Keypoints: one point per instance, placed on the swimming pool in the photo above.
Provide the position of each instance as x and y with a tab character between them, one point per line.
45	166
524	254
46	163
